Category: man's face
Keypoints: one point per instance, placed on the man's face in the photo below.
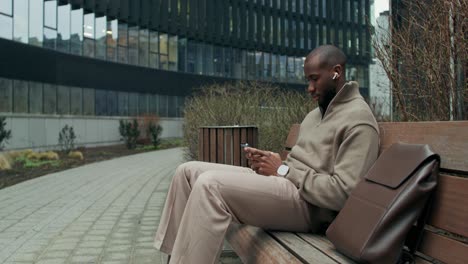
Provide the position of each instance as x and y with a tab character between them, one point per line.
321	85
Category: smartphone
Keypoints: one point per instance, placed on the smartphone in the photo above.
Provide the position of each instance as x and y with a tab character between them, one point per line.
244	145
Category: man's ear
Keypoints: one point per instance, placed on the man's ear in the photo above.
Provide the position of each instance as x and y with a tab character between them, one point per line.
337	71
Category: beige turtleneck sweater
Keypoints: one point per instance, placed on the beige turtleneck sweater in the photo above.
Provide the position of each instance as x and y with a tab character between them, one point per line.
333	153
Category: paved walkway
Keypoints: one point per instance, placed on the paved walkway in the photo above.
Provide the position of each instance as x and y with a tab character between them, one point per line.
106	212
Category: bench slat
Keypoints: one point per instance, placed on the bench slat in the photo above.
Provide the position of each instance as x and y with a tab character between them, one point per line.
449	211
324	245
448	139
253	245
303	250
444	249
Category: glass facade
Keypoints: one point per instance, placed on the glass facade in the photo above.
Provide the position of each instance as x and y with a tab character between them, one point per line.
276	45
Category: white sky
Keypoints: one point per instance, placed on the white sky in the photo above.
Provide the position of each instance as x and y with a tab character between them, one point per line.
380	6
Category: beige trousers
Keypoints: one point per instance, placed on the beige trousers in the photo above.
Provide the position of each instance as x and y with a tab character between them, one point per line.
204	198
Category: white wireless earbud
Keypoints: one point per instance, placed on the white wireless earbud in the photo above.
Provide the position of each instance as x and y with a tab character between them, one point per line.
335	75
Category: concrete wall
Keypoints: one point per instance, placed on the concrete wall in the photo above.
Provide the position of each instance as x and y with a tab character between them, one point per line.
42	131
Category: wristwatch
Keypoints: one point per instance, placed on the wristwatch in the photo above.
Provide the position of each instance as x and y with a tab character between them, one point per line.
282	170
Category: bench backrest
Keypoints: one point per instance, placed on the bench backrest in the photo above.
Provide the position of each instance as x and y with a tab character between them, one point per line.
446	234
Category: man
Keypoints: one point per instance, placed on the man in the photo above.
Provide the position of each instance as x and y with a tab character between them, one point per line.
337	144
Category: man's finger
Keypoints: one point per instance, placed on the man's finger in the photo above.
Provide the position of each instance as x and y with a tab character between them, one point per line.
255	151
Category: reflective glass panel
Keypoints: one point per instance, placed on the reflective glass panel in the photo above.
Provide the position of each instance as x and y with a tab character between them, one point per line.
35	97
101	102
89	34
181	56
50	98
6	95
133	104
76	29
172	106
123	35
173	53
88	27
133	45
154	41
88	101
112	38
6	7
112	103
6	27
36	21
76	101
50	37
50	14
142	104
122	103
63	100
101	28
143	47
163	45
63	28
20	31
153	103
162	112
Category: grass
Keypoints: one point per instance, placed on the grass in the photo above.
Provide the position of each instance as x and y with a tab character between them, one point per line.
165	144
32	163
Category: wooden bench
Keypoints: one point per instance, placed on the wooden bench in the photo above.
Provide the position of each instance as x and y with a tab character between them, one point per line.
446	234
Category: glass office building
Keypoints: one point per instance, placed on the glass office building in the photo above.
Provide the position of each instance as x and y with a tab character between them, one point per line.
131	57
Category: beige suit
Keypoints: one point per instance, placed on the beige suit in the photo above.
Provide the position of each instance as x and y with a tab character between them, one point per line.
331	155
204	198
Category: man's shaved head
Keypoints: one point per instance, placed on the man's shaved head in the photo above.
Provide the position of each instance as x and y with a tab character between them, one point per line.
328	56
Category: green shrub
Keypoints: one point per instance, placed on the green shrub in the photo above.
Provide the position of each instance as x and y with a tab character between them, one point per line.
67	138
154	131
129	132
268	107
4	133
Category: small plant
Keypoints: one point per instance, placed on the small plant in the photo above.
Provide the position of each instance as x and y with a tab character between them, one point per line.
154	130
129	132
67	138
4	133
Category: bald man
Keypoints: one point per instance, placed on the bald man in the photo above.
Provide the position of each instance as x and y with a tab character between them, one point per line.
337	144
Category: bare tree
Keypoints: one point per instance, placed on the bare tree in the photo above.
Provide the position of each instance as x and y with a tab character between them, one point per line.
425	56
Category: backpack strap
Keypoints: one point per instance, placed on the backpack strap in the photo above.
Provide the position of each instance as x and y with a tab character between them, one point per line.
413	242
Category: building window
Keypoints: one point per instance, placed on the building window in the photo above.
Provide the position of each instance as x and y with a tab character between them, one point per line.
163	51
89	34
50	98
217	61
122	55
162	103
101	102
133	104
88	101
100	36
63	28
182	54
122	103
133	45
76	28
282	68
153	103
173	53
50	14
20	31
20	96
143	48
36	22
63	100
112	103
76	101
6	95
6	7
142	104
6	27
291	74
154	50
111	40
207	59
35	98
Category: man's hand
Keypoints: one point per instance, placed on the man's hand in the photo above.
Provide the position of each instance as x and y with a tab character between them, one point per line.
263	162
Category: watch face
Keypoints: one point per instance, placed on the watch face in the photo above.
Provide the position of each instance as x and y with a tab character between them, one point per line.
283	170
